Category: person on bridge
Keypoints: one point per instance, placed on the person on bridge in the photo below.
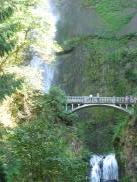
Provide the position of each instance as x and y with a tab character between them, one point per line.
91	97
98	97
127	99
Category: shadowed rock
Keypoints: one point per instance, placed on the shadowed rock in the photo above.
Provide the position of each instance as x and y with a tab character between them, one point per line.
130	28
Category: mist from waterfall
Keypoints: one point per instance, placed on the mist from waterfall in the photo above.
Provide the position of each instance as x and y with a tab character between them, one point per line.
103	168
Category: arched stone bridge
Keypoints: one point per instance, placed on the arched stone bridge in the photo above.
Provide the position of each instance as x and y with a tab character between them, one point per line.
125	104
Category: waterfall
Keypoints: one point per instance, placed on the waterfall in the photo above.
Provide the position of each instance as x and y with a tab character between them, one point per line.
110	168
46	71
103	168
43	59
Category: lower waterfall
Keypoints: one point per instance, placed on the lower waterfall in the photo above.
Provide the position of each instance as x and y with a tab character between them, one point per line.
104	168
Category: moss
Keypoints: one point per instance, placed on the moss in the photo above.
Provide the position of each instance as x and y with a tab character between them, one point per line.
113	12
126	147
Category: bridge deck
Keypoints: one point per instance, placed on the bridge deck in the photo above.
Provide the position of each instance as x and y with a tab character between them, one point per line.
128	100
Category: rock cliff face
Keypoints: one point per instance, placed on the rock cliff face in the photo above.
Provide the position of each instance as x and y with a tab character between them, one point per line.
78	20
127	147
130	151
103	59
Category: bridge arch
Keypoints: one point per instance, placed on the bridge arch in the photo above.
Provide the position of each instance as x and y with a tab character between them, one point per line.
102	105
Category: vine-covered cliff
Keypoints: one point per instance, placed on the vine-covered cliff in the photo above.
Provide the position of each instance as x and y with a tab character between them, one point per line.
103	59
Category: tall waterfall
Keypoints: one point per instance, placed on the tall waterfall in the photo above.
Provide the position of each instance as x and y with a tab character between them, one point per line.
43	55
103	168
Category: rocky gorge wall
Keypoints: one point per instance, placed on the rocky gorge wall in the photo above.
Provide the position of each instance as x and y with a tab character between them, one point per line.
99	55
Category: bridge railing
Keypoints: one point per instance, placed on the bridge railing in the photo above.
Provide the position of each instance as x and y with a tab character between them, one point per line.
100	100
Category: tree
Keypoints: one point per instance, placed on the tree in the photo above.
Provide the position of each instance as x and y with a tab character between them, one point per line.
40	148
15	22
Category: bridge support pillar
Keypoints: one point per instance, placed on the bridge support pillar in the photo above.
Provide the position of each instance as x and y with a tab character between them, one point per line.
72	106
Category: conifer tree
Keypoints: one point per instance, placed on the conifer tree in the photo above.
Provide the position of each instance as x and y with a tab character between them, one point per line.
13	19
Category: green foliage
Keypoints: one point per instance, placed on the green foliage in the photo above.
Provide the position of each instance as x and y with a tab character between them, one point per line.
120	128
6	13
14	19
115	13
8	85
2	173
41	156
126	179
40	147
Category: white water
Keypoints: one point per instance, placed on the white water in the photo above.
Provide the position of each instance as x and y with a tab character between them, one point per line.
103	168
43	55
46	71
